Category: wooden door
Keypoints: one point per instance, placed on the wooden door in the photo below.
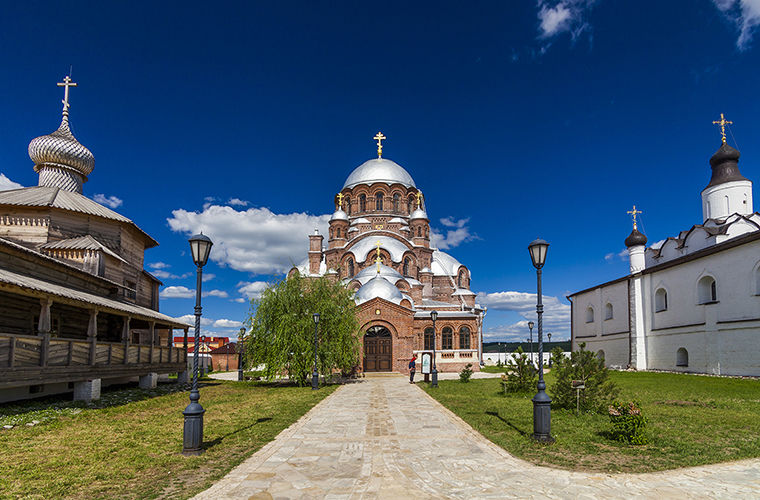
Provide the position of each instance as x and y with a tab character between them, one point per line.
378	349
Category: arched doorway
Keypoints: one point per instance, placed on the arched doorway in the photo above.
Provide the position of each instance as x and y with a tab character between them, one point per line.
377	349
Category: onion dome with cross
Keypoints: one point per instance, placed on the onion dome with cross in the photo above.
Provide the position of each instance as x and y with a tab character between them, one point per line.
379	170
59	159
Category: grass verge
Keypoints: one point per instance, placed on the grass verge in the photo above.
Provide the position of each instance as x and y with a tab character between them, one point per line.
693	420
128	445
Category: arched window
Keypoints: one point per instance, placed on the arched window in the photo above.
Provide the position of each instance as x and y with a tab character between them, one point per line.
460	279
396	202
608	311
379	201
348	206
590	315
682	357
447	338
406	266
419	232
600	354
660	300
350	268
707	290
409	206
464	338
362	203
429	339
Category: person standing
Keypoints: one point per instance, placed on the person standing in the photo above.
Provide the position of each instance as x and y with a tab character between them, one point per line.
412	368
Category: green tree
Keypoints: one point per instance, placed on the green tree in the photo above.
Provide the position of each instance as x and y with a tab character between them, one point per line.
521	374
584	366
281	329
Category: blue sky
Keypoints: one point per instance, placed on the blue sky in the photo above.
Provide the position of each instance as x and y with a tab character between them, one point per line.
517	120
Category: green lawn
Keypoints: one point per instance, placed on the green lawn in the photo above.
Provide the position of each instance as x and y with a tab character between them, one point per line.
693	420
129	444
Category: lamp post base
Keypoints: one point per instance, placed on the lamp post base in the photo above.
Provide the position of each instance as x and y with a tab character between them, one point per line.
435	378
192	439
542	418
314	381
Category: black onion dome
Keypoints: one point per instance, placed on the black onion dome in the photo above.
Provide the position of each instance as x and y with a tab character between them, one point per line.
635	239
725	166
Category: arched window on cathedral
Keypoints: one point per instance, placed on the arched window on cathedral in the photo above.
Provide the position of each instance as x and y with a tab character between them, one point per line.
362	203
590	314
348	206
660	300
379	201
682	357
350	268
707	290
419	231
447	338
409	205
462	279
429	339
608	312
464	338
396	203
406	266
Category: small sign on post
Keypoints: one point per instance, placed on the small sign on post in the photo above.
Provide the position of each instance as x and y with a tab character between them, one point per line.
427	361
578	385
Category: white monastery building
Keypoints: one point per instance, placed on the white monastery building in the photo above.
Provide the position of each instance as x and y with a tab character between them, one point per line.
691	304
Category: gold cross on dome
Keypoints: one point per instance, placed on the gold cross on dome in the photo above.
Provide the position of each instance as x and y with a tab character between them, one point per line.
379	137
66	83
340	200
378	260
723	122
419	198
634	213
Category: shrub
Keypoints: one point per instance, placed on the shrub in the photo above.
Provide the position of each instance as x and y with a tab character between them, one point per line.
466	373
628	423
585	366
521	375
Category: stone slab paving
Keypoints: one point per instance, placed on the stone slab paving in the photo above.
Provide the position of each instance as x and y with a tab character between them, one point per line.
383	438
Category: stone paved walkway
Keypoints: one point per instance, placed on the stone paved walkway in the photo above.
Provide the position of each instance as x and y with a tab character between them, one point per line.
385	438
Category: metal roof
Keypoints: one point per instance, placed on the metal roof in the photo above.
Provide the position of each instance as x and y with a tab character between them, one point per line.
379	170
86	242
38	285
44	196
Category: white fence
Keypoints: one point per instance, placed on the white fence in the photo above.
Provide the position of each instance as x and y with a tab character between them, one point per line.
493	358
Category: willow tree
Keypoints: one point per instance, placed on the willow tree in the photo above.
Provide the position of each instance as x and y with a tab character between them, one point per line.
281	329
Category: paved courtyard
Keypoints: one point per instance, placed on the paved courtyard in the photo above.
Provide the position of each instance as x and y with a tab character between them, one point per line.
385	438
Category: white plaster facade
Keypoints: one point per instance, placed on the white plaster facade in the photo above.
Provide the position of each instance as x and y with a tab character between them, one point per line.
691	304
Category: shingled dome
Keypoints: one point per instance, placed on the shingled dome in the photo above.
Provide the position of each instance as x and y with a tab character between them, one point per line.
725	166
635	239
379	170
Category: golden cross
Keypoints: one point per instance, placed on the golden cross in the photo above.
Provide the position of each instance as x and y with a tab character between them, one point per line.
340	200
723	122
66	83
419	198
378	260
633	213
379	138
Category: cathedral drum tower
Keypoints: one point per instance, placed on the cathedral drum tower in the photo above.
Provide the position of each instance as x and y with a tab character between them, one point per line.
379	247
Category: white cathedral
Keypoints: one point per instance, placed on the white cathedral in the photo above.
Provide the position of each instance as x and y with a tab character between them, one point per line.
691	304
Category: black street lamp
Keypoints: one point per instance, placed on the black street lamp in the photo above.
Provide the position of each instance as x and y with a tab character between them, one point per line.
241	374
549	335
434	316
315	374
200	247
530	327
541	401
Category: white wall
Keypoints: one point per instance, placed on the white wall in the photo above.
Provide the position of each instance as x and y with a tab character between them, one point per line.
608	335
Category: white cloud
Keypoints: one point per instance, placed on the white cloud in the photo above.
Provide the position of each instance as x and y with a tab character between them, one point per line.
556	317
158	265
622	255
240	300
456	234
110	201
227	323
177	292
255	240
158	269
560	16
237	202
208	277
745	14
182	292
190	319
6	183
252	290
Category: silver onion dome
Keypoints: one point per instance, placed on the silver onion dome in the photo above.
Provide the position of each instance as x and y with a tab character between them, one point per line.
378	287
61	149
379	170
339	215
418	213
